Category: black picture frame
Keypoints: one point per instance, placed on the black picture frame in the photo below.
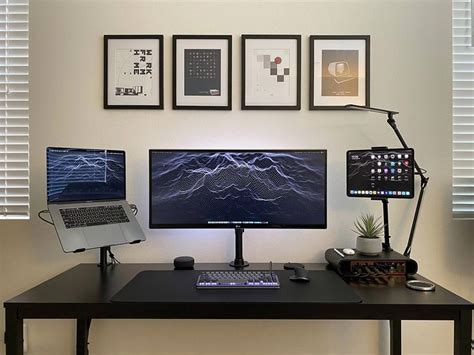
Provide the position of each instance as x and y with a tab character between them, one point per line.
177	85
297	105
160	104
313	105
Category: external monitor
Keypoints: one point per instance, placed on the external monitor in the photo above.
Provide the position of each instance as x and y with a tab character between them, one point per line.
380	173
238	189
75	175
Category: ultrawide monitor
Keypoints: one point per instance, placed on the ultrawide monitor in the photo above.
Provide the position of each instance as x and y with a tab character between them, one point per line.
237	189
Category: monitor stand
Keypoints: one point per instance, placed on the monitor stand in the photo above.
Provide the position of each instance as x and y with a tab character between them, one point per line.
239	261
103	263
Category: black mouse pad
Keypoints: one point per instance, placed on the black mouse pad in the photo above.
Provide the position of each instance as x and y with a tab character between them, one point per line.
180	286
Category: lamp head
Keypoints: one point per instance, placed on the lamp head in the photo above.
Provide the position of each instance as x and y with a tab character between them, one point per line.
370	109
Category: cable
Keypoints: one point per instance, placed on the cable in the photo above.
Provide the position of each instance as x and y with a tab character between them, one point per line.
134	209
112	257
424	171
44	220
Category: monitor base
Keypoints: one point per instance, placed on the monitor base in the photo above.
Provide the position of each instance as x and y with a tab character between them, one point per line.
239	263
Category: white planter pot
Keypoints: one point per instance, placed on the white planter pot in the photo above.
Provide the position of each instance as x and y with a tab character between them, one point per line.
369	246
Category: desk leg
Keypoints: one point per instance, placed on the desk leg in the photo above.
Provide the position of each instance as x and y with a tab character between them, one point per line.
13	332
395	337
82	336
462	333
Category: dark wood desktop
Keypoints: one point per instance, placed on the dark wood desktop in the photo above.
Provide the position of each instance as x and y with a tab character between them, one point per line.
84	293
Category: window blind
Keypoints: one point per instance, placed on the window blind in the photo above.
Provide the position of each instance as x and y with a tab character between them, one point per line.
463	109
14	110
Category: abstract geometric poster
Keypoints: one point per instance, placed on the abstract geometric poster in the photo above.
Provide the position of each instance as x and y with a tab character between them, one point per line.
339	71
272	68
271	72
133	71
202	72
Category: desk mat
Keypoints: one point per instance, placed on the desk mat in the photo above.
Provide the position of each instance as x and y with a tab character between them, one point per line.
179	286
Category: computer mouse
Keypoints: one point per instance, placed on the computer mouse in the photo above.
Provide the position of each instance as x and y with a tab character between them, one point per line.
301	275
348	251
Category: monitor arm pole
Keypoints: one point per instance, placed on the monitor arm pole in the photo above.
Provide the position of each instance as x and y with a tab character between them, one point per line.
239	261
419	171
103	258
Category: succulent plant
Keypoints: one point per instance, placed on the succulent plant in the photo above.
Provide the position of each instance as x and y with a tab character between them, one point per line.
367	226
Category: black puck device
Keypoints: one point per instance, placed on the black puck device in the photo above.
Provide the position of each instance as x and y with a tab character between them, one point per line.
184	263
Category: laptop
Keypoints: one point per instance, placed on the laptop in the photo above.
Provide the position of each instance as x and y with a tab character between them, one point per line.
86	199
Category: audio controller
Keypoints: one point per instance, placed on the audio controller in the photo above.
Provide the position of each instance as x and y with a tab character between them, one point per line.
385	268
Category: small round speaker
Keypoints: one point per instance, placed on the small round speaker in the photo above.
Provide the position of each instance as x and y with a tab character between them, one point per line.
184	263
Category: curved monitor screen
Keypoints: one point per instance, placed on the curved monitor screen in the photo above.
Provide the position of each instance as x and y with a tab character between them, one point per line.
237	189
85	174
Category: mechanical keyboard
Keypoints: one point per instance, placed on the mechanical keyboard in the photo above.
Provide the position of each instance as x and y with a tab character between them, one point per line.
237	279
93	216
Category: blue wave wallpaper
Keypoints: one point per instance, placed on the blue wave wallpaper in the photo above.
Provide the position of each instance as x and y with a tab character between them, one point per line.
253	189
85	175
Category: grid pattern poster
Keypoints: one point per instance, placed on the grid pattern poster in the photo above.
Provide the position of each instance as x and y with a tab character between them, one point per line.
202	74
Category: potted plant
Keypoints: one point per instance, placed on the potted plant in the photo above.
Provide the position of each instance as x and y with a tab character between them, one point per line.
368	230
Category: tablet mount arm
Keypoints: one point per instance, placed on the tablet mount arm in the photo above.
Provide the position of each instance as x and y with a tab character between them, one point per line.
386	232
419	171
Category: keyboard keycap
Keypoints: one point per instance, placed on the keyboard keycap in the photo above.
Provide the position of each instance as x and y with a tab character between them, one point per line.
93	216
237	279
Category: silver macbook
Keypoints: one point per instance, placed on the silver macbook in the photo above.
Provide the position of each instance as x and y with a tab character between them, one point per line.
86	199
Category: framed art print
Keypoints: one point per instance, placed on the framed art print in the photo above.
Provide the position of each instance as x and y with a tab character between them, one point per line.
271	72
202	72
339	72
133	72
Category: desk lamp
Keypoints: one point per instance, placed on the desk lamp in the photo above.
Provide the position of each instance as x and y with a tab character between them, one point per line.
419	171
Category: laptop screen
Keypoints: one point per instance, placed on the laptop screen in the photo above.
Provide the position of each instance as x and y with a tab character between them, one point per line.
85	174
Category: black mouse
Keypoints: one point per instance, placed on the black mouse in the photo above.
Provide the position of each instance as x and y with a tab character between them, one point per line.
301	275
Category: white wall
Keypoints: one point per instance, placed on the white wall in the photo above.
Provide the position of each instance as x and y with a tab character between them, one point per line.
411	73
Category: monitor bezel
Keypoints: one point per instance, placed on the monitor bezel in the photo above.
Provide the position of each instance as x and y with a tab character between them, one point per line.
152	225
412	187
90	150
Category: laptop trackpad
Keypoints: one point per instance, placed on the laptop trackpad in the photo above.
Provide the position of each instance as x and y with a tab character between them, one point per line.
99	236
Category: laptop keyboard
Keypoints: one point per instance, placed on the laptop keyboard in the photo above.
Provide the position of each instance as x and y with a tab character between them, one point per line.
93	216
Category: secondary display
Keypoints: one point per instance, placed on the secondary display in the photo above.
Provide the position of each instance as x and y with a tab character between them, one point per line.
237	189
85	174
385	173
